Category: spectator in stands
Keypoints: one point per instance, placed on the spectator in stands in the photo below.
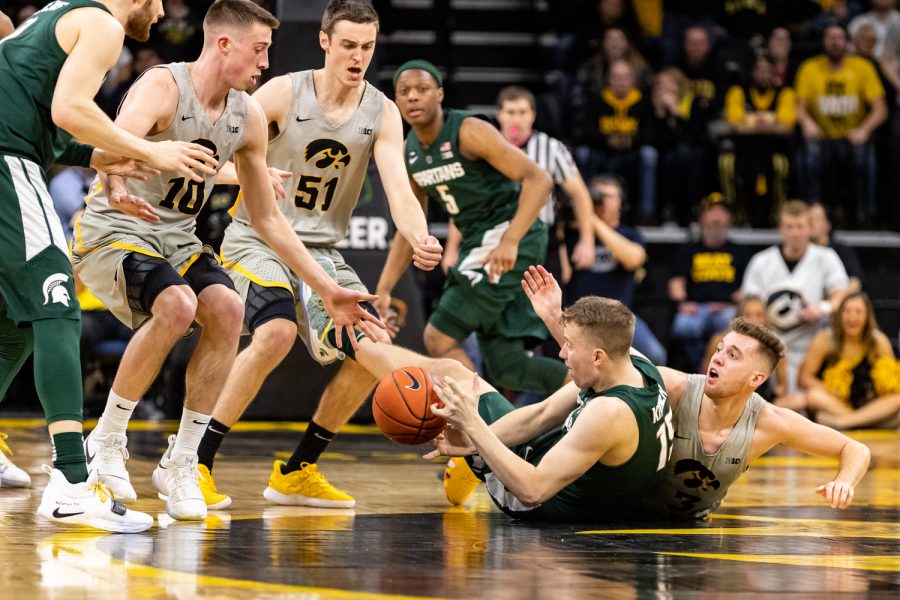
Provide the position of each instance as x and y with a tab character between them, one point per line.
68	189
704	77
754	175
593	75
884	19
620	255
754	309
705	281
516	113
779	51
840	103
849	374
821	235
611	132
800	282
180	34
672	141
145	56
885	64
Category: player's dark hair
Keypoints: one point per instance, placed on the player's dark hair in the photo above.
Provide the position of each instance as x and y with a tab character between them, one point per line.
606	322
515	92
355	11
240	13
770	345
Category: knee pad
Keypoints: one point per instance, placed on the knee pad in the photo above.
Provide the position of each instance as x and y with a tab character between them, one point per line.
145	279
205	272
266	303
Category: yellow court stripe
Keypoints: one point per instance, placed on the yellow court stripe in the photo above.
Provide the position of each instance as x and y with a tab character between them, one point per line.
171	425
794	461
831	561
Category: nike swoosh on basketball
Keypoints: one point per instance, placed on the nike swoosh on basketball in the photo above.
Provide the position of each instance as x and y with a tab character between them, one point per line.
414	380
299	120
62	515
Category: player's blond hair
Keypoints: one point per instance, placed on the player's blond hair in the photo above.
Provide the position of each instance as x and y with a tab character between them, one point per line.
606	322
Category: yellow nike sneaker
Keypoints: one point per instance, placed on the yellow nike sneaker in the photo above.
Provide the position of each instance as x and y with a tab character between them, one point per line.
459	480
214	500
306	487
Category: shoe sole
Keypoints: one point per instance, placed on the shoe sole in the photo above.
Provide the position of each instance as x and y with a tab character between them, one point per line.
113	526
216	506
15	483
276	497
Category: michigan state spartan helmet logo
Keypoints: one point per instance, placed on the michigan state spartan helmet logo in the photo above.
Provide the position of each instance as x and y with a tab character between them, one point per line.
327	153
55	291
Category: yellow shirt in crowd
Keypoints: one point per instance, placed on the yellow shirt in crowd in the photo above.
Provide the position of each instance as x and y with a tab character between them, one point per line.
838	100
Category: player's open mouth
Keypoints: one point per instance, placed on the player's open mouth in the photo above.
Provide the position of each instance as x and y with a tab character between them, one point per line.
414	112
355	70
713	374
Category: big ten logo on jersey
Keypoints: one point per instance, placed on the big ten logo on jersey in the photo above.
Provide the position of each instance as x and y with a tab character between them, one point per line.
365	233
323	154
190	197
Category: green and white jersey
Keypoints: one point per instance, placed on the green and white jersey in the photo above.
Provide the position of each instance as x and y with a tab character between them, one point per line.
327	162
474	193
178	199
603	493
30	62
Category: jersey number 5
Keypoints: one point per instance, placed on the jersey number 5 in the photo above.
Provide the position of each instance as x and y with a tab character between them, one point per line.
448	199
308	192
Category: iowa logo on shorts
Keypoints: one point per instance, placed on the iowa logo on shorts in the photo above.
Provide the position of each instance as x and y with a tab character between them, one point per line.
327	153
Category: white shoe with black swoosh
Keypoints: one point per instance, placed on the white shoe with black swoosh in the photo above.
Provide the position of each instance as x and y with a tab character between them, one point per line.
176	481
107	455
89	503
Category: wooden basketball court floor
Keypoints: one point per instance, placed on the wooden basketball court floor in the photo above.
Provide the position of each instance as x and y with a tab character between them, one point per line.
772	536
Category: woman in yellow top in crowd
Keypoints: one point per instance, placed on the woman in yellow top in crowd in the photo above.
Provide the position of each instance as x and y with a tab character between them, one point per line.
849	374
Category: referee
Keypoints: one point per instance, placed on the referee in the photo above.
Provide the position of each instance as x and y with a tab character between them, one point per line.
516	114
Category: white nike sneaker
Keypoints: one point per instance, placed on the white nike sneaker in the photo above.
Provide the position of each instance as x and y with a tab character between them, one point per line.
175	478
106	454
10	474
89	503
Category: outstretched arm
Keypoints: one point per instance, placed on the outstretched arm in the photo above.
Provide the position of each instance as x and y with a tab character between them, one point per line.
546	298
92	38
406	211
564	463
782	426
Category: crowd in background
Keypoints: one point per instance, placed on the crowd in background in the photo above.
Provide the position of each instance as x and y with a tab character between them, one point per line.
680	114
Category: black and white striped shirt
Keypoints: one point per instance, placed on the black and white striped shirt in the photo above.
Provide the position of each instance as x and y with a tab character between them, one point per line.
552	156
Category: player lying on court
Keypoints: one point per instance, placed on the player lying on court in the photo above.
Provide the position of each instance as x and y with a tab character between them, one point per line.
152	271
721	423
546	461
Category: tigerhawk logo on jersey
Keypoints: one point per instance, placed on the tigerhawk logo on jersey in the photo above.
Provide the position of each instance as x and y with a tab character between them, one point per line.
55	290
439	174
327	153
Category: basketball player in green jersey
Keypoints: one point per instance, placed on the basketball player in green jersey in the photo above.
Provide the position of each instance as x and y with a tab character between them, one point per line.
494	194
721	423
588	453
50	71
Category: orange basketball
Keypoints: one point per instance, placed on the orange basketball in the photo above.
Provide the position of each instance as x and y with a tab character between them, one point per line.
402	406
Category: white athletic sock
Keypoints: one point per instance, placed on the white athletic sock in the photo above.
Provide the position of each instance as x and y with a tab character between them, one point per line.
116	414
190	432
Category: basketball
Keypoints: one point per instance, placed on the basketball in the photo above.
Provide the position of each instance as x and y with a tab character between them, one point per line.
402	406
